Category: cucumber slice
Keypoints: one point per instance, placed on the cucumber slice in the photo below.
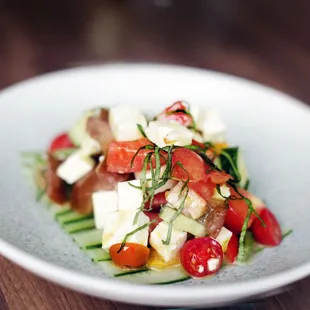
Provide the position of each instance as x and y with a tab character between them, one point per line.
165	276
79	226
98	255
110	269
183	222
234	157
87	239
78	131
57	210
72	217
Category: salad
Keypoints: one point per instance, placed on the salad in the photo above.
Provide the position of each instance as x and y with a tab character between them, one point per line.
154	200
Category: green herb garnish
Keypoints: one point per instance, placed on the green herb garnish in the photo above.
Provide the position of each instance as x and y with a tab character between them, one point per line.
287	233
247	184
133	232
248	247
140	128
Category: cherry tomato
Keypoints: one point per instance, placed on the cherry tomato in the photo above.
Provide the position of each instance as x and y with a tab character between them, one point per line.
238	209
121	153
133	255
194	166
158	201
232	249
218	177
60	142
271	234
180	117
205	189
153	216
201	257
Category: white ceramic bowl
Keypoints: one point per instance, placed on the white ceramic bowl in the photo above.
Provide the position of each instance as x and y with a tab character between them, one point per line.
272	128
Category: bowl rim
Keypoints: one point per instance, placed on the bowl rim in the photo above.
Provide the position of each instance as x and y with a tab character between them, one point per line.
161	295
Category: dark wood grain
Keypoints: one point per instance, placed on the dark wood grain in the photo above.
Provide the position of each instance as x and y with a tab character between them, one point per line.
266	41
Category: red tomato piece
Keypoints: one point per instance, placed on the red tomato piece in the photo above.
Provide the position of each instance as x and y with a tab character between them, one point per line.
218	177
238	209
62	141
194	166
158	201
201	257
133	255
271	235
121	153
205	189
196	143
153	216
180	117
232	249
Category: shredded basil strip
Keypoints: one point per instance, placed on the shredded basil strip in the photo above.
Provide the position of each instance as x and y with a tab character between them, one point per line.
145	147
140	128
241	251
287	233
248	247
133	232
180	209
247	184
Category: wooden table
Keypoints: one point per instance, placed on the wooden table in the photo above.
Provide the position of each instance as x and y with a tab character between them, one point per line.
266	41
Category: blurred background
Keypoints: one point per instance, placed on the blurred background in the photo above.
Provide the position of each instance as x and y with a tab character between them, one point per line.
265	41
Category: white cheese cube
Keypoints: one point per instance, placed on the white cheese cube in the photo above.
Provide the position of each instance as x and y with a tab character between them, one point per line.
120	224
148	174
127	130
171	250
167	133
210	123
123	120
225	191
90	146
122	112
223	238
105	204
75	167
194	205
129	197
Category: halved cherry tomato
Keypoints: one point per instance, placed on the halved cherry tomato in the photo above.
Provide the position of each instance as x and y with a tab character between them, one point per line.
201	257
238	209
218	177
205	189
232	249
133	255
180	117
178	112
158	201
194	166
178	105
121	153
153	216
62	141
271	234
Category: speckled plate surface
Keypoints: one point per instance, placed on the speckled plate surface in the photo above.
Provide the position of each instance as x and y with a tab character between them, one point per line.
272	128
